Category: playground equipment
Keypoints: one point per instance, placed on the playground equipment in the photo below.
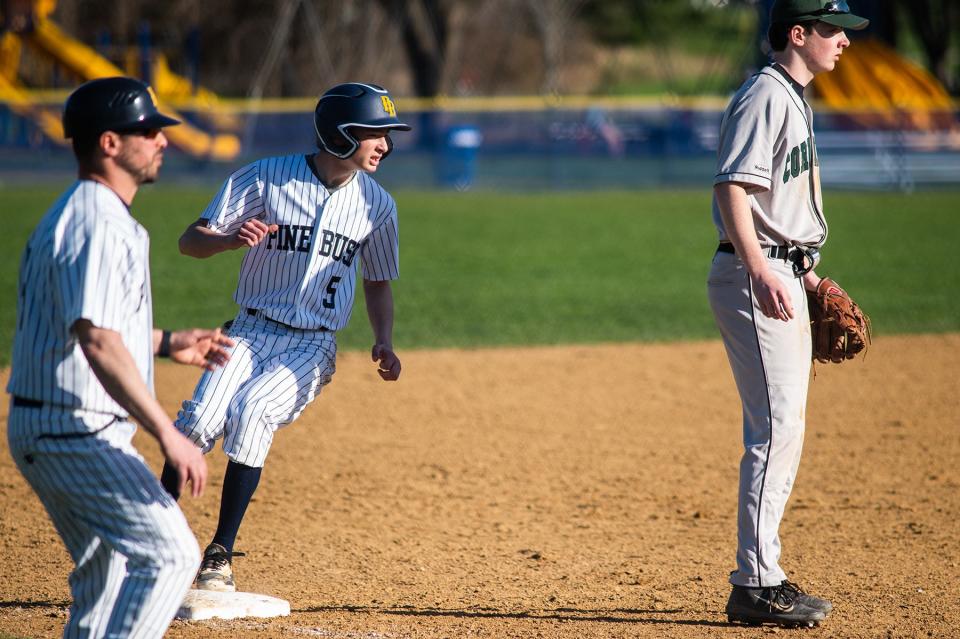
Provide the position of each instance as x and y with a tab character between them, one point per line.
880	88
29	25
178	90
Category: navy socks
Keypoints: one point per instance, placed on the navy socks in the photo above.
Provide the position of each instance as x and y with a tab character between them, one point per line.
239	484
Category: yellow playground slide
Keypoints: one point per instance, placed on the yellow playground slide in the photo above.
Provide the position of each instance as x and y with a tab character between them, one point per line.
23	105
178	90
17	99
882	88
82	61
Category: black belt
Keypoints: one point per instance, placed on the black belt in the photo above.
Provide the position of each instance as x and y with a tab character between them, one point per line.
258	313
776	252
803	258
23	402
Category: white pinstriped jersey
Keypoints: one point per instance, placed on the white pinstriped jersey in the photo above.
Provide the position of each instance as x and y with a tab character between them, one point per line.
88	258
767	143
304	274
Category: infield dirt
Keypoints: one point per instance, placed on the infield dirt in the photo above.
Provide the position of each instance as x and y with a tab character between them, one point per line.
580	492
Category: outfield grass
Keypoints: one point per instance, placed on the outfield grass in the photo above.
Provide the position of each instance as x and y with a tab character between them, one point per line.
481	269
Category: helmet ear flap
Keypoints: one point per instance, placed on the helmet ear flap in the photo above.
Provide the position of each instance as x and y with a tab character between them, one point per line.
336	141
336	144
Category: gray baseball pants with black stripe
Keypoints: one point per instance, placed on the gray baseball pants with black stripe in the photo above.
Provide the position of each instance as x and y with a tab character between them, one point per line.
770	360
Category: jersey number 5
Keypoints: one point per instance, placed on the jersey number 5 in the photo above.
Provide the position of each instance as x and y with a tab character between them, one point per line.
329	300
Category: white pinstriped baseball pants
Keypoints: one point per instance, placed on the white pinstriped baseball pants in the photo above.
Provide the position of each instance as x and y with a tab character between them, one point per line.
134	552
272	375
770	360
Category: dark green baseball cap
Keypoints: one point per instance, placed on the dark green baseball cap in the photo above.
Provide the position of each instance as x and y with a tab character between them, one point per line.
835	12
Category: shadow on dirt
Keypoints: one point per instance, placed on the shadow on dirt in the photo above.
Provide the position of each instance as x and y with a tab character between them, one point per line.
613	615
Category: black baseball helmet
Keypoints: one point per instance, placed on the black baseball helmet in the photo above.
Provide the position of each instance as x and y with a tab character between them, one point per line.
353	104
112	104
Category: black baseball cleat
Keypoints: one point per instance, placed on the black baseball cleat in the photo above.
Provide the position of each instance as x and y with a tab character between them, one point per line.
817	603
774	605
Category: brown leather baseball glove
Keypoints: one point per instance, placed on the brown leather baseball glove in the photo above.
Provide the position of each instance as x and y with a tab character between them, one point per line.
839	329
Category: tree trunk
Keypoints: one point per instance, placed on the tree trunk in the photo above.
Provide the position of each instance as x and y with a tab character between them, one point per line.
932	21
424	25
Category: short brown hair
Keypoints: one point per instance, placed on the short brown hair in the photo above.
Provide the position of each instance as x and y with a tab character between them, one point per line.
85	146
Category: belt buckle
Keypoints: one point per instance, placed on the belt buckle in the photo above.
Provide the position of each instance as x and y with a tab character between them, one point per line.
803	259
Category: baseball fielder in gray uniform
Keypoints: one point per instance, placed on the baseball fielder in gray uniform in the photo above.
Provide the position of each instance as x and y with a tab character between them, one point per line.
768	211
83	366
308	223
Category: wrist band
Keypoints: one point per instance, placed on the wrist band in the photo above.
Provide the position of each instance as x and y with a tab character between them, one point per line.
164	345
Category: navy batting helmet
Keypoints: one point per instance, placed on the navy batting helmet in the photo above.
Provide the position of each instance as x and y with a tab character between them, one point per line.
353	105
112	104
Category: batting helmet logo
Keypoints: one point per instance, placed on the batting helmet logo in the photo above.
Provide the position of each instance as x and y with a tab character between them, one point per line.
388	106
353	105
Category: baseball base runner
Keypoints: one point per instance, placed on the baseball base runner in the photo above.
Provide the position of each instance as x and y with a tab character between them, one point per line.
308	222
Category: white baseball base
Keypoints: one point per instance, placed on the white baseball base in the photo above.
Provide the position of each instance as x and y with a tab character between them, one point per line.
207	604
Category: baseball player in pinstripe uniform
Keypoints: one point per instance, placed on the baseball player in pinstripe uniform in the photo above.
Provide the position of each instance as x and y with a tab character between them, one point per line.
307	223
83	366
768	211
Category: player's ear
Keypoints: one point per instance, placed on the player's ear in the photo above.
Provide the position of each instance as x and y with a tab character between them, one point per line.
110	143
797	34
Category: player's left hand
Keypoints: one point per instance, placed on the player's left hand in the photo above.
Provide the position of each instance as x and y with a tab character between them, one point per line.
200	347
389	363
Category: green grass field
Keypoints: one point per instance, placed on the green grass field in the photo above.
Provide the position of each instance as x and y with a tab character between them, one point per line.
483	269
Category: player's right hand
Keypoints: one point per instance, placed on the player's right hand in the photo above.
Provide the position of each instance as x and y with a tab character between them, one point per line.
773	296
252	233
183	455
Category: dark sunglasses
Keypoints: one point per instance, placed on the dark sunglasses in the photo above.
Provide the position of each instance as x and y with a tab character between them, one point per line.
144	133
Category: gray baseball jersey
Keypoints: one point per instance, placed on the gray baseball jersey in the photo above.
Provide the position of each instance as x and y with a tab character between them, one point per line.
134	552
767	144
